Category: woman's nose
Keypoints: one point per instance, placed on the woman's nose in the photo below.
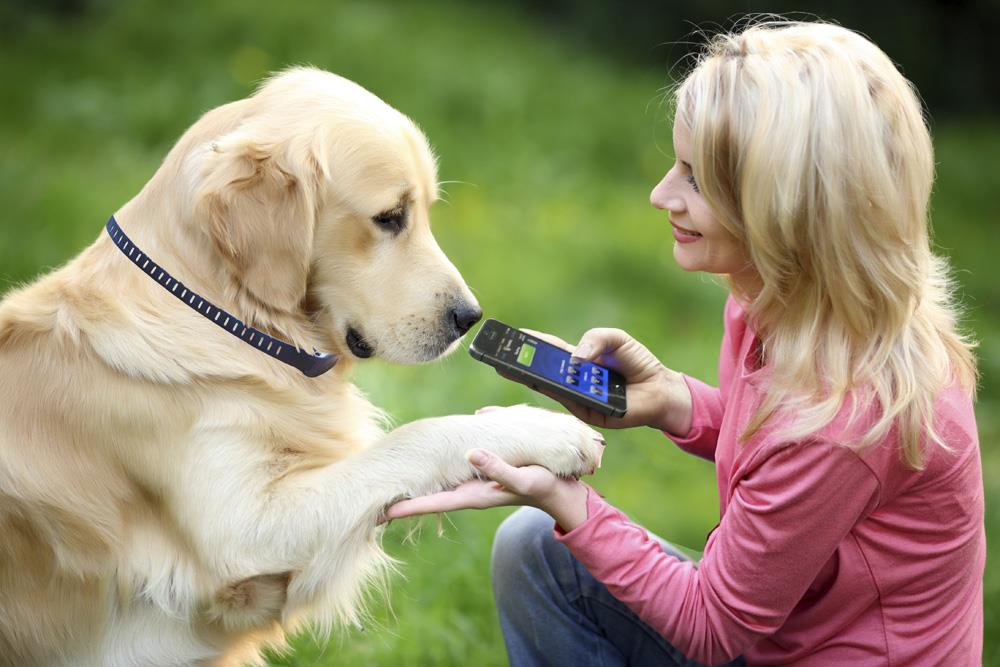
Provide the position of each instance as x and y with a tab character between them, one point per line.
663	198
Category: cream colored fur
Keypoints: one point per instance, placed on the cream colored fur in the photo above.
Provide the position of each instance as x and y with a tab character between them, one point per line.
171	496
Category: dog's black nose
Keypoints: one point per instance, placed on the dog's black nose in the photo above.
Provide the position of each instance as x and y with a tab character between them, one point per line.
463	317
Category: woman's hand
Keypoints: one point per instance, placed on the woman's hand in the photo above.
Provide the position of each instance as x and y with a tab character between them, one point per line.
563	499
656	396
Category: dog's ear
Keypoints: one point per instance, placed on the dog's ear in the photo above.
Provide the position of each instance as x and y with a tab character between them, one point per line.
259	209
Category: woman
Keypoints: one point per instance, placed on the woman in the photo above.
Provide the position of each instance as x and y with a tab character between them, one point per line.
842	429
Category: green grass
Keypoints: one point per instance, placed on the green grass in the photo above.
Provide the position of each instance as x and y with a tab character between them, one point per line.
551	151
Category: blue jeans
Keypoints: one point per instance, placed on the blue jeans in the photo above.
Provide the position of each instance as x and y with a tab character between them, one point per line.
554	612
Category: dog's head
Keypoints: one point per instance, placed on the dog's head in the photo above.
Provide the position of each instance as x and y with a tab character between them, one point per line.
316	195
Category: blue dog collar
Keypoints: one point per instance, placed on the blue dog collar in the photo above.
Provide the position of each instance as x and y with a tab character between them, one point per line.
311	365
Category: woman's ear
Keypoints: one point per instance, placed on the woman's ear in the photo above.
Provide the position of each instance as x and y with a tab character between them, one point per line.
260	216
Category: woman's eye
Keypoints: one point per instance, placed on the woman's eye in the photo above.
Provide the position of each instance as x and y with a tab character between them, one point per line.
391	221
694	183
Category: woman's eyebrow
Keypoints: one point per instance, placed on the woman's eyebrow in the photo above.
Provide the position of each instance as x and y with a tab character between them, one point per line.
686	164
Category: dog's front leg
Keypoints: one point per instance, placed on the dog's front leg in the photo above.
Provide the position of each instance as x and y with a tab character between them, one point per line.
416	459
429	455
320	525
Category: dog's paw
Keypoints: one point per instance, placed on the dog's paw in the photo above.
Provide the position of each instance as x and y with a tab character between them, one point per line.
524	435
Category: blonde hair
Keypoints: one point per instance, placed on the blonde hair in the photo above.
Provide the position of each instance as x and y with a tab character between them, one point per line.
812	151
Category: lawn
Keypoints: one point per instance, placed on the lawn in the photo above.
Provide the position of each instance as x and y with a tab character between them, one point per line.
547	153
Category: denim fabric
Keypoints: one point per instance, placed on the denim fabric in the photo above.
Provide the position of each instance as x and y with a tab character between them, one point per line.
553	612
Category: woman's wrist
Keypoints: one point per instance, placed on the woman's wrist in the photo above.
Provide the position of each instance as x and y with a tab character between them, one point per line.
567	503
675	415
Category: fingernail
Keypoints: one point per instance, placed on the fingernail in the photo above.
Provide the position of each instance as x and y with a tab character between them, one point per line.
476	457
582	352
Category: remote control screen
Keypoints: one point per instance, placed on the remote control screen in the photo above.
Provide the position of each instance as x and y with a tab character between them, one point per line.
554	363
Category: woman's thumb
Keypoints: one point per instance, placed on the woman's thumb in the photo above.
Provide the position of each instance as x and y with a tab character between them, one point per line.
592	344
583	352
601	345
478	457
488	464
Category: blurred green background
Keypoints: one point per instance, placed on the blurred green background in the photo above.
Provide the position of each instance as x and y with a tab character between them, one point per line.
549	125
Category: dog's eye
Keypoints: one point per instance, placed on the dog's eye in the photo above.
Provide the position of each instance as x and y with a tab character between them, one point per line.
392	221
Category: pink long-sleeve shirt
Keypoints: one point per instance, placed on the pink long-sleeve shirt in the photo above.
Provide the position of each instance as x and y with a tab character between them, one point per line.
822	556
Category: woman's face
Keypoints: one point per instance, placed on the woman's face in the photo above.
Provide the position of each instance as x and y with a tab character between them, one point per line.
701	243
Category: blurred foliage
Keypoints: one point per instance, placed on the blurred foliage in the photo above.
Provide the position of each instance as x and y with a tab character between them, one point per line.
548	147
943	46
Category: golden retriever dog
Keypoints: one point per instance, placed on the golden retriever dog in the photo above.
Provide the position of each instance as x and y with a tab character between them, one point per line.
170	494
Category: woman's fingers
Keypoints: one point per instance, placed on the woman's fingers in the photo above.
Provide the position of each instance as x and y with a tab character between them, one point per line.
500	489
527	483
506	485
593	343
495	468
437	502
474	494
549	338
596	342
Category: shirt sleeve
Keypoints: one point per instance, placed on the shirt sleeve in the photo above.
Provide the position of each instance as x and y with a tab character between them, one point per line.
785	520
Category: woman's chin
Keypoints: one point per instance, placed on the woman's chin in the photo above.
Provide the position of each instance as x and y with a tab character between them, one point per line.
686	259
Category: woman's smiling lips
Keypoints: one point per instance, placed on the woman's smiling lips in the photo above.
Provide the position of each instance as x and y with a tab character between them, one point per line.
682	235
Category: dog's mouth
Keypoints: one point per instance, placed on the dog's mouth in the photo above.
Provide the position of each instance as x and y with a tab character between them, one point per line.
357	344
